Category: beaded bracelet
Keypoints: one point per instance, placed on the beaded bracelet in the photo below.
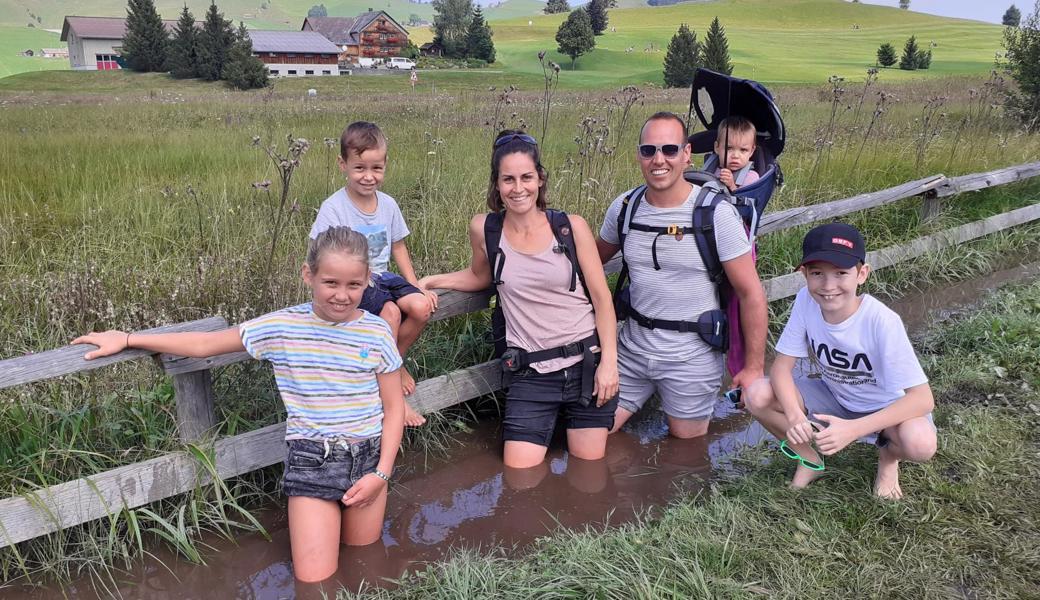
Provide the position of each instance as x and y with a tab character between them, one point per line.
382	475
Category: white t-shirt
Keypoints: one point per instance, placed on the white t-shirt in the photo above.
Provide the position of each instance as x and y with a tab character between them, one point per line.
866	360
681	290
382	228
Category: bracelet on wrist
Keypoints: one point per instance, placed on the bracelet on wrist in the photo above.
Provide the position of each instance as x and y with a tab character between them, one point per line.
381	475
127	347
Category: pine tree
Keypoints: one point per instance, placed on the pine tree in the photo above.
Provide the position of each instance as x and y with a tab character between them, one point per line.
556	6
318	10
183	49
1012	17
904	4
886	55
908	61
715	52
478	38
575	36
214	40
682	59
144	45
597	10
242	70
924	58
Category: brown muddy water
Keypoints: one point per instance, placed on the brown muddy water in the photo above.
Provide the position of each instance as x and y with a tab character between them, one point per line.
468	499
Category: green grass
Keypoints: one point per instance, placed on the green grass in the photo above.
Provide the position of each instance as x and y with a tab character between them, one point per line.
966	529
15	39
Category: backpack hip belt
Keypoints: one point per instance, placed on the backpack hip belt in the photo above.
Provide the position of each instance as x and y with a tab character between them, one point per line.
517	359
712	326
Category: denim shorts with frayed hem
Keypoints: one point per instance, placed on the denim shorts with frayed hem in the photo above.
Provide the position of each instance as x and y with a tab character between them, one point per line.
534	400
326	469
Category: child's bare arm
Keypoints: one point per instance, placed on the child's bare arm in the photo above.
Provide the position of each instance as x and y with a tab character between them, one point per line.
782	379
367	489
197	344
403	260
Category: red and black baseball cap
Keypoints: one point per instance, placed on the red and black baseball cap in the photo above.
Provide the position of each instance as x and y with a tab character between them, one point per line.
836	243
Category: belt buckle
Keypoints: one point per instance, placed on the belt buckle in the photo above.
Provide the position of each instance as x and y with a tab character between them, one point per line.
572	349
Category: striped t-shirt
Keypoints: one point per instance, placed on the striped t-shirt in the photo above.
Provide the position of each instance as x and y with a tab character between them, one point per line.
326	372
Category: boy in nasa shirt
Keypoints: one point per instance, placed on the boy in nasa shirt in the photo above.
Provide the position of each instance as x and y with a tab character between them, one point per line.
866	382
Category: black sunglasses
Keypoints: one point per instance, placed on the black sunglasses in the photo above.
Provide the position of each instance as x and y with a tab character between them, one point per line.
523	137
668	150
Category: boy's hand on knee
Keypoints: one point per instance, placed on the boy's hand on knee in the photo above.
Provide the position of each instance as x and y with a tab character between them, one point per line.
365	491
431	297
838	434
800	433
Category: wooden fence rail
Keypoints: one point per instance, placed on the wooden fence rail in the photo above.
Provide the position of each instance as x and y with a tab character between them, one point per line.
106	494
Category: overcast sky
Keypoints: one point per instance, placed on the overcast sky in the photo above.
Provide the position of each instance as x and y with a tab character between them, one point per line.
981	10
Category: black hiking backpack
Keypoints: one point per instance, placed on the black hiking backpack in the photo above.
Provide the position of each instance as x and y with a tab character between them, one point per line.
561	228
720	329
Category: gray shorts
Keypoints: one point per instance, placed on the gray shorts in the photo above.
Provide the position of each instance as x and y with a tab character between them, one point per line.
327	469
819	400
688	389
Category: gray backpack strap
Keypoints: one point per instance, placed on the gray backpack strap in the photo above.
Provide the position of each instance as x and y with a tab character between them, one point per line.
741	175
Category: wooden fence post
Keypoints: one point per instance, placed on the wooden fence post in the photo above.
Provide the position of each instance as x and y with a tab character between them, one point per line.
196	416
930	206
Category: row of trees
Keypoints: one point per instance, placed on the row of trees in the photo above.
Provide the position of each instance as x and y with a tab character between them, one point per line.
914	57
460	29
216	51
685	54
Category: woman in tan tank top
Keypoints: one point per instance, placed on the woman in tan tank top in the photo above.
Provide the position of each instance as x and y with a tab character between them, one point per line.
542	313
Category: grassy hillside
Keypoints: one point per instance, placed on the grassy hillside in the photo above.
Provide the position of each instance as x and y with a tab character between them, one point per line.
772	40
14	39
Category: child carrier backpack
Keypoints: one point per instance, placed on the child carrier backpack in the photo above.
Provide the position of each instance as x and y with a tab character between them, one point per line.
515	359
720	329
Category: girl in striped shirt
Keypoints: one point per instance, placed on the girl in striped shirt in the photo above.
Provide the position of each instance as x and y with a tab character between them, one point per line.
336	367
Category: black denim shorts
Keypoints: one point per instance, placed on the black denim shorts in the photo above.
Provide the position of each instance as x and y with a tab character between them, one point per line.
386	287
327	469
535	399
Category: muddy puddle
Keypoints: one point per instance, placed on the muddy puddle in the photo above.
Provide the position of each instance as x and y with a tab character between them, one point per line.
467	499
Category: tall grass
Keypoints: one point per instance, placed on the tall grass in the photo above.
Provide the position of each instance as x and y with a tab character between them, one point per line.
141	207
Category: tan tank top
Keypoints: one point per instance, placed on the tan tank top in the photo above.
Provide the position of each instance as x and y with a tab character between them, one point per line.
541	312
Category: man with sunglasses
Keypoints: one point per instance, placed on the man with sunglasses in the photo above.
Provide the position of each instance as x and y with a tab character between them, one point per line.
670	285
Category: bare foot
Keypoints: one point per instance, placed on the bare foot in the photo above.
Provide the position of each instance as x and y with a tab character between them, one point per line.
803	476
886	483
412	418
407	382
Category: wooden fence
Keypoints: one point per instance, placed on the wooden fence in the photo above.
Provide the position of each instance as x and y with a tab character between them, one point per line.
106	494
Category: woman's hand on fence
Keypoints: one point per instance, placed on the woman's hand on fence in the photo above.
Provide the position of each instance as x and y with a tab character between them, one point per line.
107	342
606	386
365	491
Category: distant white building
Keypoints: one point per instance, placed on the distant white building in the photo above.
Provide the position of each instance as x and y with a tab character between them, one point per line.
295	53
96	43
55	52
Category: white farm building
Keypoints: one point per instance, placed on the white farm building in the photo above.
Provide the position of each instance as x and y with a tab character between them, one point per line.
96	43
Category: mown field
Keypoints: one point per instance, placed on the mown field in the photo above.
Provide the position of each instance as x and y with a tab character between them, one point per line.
131	201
